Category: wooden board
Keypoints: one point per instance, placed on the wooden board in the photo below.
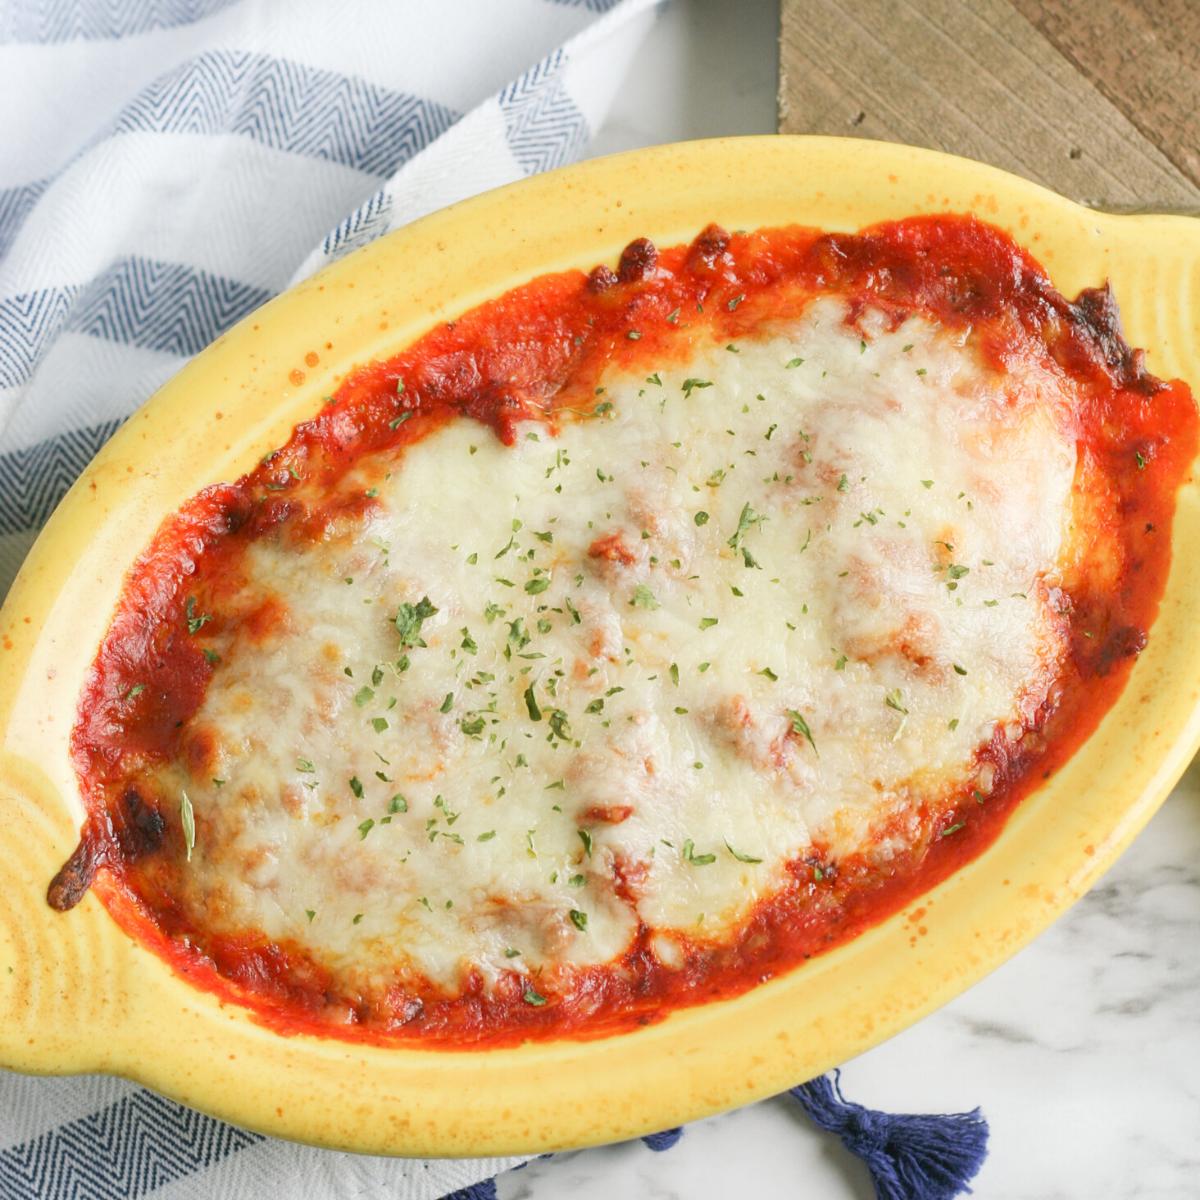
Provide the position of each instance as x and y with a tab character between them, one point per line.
1097	99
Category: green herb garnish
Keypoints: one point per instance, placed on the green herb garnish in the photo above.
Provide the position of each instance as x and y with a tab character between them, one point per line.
800	726
195	623
187	818
409	620
696	860
746	858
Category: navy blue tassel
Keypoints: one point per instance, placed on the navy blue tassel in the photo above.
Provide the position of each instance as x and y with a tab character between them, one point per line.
663	1141
485	1189
909	1157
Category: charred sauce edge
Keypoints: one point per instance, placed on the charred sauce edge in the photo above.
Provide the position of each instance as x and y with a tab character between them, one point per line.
952	269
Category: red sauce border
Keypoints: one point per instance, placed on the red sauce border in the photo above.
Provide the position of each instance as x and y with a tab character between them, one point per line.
534	354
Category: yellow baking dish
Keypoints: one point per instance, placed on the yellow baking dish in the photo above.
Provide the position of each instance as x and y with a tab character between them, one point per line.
77	994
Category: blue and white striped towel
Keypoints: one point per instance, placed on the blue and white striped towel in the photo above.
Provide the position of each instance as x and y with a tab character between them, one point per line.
165	167
168	165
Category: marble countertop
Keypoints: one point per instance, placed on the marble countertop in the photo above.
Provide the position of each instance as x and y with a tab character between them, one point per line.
1084	1049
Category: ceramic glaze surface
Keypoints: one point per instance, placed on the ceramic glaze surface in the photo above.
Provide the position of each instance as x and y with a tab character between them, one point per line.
699	1061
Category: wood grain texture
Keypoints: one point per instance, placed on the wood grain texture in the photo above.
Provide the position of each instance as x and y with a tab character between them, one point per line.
1143	55
1001	81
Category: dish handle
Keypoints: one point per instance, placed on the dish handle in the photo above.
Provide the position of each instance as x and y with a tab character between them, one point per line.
60	973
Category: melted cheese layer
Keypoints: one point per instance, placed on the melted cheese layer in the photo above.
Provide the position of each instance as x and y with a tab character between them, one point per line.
765	605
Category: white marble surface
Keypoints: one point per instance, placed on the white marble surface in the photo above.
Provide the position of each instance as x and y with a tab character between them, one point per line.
1084	1049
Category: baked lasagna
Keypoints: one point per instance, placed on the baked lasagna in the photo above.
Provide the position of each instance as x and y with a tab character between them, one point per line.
632	638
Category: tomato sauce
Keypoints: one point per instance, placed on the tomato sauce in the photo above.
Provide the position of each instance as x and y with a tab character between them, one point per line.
535	354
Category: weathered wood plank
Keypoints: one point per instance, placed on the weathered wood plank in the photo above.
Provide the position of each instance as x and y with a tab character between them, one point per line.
977	79
1143	55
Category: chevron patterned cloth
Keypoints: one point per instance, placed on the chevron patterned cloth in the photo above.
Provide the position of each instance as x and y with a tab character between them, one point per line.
166	167
169	165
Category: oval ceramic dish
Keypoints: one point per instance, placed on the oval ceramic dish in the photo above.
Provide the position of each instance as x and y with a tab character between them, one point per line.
77	994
